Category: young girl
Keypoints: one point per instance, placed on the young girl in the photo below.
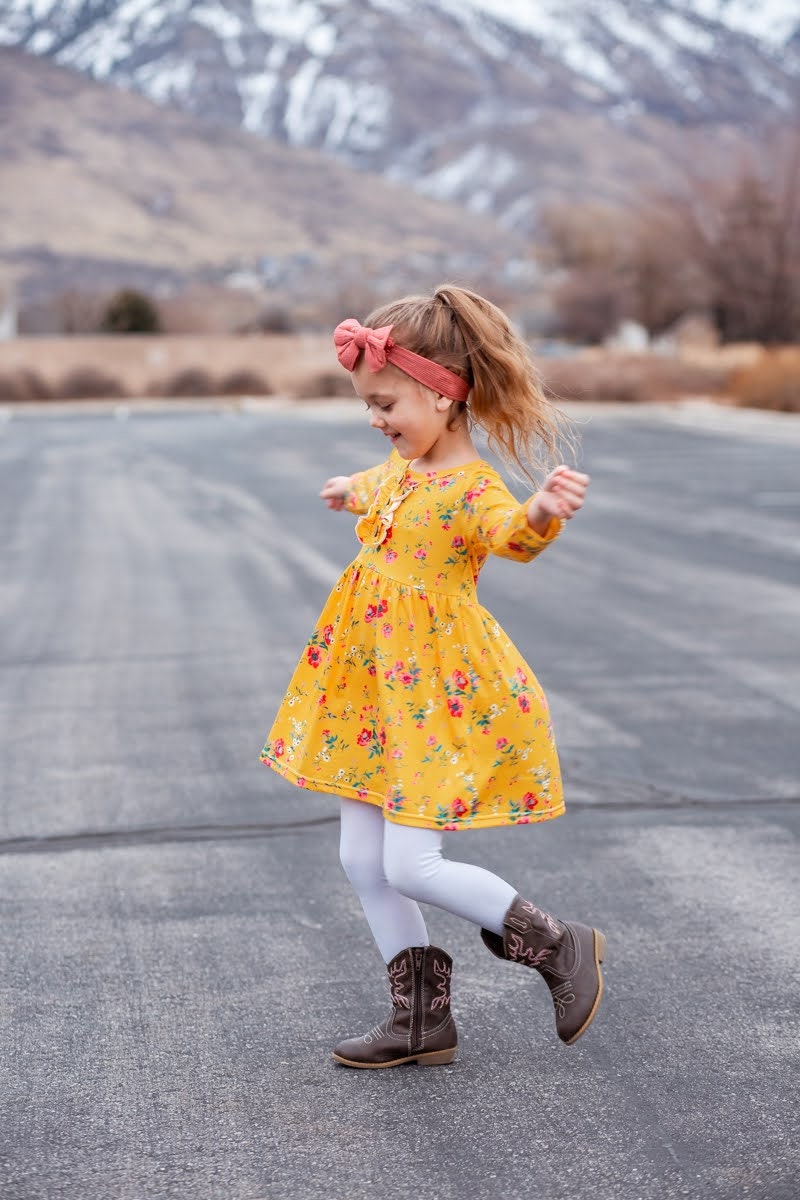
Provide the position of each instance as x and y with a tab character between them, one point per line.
409	700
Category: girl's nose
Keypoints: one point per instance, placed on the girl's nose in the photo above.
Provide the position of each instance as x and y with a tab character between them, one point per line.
376	419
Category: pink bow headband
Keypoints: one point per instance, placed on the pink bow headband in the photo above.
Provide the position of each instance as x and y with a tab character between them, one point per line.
350	338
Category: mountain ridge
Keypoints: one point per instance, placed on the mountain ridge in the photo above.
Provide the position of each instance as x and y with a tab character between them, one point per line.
493	104
101	184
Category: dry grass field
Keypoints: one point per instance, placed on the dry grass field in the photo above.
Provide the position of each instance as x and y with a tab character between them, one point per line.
304	366
144	365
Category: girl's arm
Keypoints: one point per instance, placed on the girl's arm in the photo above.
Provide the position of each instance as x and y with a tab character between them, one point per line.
356	492
521	531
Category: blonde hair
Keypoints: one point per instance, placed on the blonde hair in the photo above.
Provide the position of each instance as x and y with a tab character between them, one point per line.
473	338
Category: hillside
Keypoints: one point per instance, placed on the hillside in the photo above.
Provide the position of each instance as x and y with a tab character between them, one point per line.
99	183
501	105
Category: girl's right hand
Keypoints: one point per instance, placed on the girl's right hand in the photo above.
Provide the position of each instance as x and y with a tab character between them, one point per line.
335	490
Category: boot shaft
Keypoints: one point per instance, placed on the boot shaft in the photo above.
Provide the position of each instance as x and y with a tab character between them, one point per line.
419	984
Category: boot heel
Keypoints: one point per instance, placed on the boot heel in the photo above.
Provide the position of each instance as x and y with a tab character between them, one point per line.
437	1058
599	945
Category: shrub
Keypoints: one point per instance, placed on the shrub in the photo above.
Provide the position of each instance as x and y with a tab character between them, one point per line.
271	320
130	311
244	383
85	383
592	380
23	384
324	384
773	382
628	379
190	381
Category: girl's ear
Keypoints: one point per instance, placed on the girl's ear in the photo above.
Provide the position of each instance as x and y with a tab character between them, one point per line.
442	403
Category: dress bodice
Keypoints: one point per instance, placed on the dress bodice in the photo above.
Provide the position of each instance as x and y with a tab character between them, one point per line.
433	531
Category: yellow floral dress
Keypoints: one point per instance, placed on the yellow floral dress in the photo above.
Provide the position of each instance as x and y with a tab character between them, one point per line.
408	694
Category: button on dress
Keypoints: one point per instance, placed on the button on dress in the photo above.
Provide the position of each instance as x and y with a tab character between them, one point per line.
408	694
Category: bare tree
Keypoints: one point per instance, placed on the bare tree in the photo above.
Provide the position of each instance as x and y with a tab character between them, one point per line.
728	246
582	236
742	235
663	280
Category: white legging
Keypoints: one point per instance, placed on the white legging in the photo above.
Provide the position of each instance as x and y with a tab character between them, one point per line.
393	866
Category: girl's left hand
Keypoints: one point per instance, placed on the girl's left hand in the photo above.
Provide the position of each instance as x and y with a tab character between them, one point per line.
335	492
561	496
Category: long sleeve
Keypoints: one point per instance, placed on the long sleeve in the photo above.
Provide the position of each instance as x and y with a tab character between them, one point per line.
501	522
364	485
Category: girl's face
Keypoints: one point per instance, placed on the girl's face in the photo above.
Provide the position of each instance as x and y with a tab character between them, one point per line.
412	416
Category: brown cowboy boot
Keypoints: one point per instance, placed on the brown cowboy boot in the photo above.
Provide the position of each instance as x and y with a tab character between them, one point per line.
568	956
420	1027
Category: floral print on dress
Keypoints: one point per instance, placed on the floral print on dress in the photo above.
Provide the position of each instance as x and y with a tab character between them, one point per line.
408	694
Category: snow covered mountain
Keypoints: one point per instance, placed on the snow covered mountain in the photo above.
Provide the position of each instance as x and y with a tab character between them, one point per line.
100	188
498	104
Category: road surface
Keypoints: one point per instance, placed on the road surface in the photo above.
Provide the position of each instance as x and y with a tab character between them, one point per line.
180	948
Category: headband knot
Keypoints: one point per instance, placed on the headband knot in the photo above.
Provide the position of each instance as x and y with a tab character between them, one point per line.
351	338
379	348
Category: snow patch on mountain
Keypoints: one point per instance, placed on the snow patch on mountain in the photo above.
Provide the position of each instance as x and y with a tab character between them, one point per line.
772	22
167	81
293	21
687	35
459	176
546	19
301	117
256	93
225	24
333	112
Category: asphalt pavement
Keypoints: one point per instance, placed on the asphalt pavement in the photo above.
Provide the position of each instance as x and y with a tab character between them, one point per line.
179	946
